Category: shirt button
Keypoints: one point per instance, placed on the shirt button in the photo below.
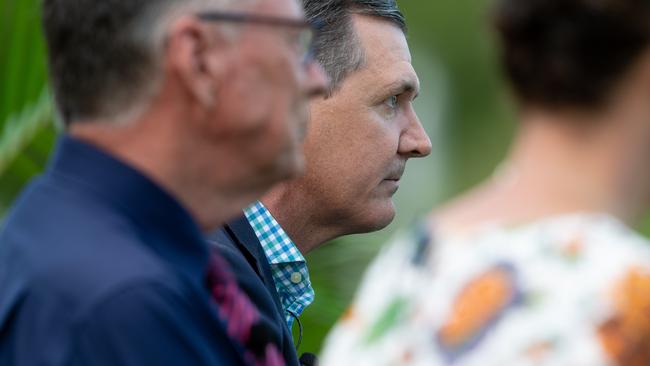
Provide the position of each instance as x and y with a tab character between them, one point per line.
296	277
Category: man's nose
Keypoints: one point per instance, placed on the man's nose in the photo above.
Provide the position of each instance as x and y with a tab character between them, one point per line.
414	142
316	81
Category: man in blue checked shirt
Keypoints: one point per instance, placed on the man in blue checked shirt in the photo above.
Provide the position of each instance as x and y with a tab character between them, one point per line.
360	137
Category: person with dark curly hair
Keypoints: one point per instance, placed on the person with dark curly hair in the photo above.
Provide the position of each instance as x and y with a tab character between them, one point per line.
538	265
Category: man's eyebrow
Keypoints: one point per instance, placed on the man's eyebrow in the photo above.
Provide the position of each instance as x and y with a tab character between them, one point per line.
405	85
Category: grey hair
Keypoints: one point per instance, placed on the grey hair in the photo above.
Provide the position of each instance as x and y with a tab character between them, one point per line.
338	48
104	57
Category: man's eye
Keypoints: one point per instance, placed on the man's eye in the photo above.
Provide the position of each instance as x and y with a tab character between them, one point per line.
392	102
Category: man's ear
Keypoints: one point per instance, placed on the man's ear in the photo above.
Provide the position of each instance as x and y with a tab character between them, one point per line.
190	51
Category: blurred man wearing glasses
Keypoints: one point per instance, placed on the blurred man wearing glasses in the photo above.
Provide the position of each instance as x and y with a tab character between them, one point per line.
361	135
177	114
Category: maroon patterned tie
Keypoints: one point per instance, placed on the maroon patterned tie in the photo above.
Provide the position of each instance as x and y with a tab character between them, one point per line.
241	317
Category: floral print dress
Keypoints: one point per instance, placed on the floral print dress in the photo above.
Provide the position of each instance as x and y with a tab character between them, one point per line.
565	291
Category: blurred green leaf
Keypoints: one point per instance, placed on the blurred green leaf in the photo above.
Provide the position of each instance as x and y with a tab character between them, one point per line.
20	129
26	131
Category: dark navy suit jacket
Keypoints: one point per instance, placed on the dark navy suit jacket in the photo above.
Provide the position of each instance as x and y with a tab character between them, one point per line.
100	266
239	245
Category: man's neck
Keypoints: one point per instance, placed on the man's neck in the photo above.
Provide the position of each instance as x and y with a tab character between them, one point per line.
293	210
168	165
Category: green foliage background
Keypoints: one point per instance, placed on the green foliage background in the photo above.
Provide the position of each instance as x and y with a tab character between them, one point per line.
463	105
26	132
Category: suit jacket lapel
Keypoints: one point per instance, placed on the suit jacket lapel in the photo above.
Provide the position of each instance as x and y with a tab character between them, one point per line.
244	237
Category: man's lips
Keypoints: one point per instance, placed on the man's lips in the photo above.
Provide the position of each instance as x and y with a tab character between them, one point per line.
392	184
396	175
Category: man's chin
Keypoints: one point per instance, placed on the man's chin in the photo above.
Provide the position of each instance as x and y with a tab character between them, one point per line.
386	220
380	218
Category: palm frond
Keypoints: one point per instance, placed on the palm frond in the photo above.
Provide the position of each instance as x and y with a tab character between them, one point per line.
21	128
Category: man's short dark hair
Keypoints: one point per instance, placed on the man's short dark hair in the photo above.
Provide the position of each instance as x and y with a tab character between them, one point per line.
570	53
91	56
103	55
338	48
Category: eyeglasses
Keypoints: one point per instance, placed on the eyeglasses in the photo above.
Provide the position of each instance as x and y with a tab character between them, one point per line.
308	31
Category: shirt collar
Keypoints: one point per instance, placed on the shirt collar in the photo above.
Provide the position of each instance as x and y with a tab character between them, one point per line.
166	226
288	266
277	245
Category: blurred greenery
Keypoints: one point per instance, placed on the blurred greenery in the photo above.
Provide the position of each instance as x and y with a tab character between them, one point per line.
463	105
26	132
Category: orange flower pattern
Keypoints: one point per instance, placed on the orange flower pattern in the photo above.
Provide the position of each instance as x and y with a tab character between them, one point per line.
626	335
564	291
478	306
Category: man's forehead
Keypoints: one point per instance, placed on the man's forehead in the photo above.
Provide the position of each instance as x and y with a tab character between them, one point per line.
381	39
386	53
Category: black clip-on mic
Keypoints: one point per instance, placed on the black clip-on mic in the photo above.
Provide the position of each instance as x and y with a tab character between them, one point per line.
307	358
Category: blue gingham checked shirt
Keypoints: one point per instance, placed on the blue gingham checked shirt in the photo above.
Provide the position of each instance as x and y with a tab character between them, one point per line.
288	266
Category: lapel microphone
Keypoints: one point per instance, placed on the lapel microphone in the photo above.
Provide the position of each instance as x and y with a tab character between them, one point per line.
308	359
